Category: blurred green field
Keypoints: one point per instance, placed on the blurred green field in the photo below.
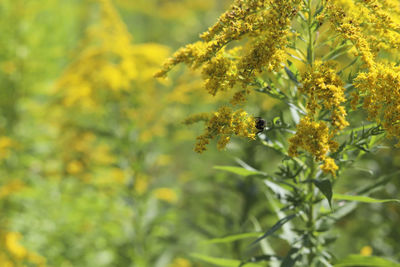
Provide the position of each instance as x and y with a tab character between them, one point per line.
97	168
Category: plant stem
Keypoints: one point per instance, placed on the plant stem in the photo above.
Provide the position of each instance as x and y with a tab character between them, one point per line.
310	214
310	205
310	47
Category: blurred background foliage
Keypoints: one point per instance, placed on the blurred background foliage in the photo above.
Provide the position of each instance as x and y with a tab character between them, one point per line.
96	167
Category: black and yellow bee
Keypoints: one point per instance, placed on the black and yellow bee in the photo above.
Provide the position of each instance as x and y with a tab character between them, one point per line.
260	124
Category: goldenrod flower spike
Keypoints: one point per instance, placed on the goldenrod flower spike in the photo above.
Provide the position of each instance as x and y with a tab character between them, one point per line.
325	92
265	22
224	123
329	166
371	26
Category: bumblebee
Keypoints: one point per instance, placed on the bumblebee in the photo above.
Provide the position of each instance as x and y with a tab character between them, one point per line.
260	124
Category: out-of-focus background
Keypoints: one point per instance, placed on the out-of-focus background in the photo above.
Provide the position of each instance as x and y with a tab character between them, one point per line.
97	168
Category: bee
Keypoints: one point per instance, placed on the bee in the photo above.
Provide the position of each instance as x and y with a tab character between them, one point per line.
260	124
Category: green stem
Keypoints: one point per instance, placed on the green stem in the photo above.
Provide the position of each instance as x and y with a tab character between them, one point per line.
310	224
310	214
310	47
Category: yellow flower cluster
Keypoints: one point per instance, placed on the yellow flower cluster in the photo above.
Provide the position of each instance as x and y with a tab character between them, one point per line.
329	166
350	29
224	123
311	136
196	118
372	26
108	64
380	88
325	92
315	138
265	23
219	74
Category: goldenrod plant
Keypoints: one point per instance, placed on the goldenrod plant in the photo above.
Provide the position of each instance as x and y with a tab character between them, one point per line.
97	166
334	66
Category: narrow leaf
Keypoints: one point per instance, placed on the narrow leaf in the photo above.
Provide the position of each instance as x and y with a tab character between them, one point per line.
264	245
238	170
291	75
337	52
221	261
295	115
274	228
287	233
363	199
383	180
277	189
344	210
232	238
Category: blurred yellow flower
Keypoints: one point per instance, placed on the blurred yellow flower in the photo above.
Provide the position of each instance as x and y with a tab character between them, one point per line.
10	188
166	194
141	184
366	251
5	144
118	175
163	160
181	262
13	246
74	167
102	155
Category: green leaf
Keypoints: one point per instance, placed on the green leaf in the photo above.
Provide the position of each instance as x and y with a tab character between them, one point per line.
239	170
318	11
274	228
359	260
232	238
338	51
344	210
325	186
363	199
295	114
222	261
277	189
383	180
287	229
291	75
